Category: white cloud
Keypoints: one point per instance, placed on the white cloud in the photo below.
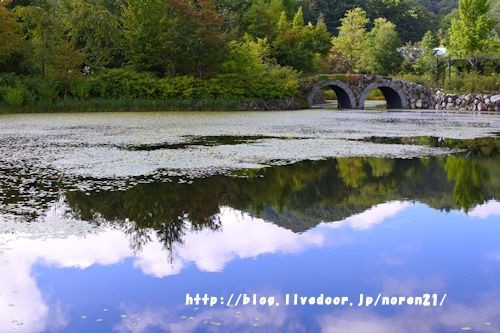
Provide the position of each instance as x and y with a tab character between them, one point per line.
484	211
373	216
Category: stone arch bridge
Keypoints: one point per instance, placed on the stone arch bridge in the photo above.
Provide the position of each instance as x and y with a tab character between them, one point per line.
352	91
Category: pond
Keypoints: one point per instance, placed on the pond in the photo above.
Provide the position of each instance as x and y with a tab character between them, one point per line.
308	221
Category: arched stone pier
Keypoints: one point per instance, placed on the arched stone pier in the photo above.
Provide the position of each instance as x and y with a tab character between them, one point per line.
345	96
353	90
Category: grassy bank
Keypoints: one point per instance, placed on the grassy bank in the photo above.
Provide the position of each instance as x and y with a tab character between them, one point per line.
126	105
128	90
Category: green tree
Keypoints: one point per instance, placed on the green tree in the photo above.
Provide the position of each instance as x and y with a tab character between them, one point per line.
261	18
319	37
411	19
200	37
349	46
381	55
10	39
249	71
64	66
298	45
429	42
333	10
174	37
150	45
43	31
247	57
231	12
426	64
94	30
471	34
298	19
50	55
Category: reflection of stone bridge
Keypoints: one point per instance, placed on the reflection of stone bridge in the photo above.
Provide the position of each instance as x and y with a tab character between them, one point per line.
352	91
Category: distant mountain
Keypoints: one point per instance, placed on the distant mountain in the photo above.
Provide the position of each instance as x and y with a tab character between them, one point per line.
440	7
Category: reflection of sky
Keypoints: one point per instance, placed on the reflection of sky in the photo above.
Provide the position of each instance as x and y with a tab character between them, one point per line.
489	209
395	248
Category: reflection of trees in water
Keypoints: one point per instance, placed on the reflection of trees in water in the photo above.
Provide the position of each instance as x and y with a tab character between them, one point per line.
352	171
296	196
469	177
164	208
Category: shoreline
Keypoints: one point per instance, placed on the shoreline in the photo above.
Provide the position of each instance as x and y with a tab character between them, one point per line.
139	105
132	106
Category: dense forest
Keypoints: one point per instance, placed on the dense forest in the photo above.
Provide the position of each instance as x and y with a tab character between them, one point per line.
54	51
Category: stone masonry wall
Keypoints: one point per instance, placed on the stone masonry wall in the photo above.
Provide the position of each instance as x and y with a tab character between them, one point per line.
472	102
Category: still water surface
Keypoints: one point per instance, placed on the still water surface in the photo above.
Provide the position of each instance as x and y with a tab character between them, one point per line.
120	254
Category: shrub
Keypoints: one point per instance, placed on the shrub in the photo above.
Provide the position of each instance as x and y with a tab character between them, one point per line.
271	82
3	91
39	90
81	89
121	83
473	82
481	83
424	79
14	96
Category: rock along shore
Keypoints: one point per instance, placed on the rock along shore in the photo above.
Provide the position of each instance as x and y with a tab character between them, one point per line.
470	102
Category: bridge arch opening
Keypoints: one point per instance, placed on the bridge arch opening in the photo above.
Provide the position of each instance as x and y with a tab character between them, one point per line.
393	96
344	94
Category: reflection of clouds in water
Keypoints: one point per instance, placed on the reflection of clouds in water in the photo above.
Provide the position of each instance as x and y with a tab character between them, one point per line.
21	305
484	211
380	213
493	256
240	237
241	319
22	300
373	216
410	286
482	316
398	256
